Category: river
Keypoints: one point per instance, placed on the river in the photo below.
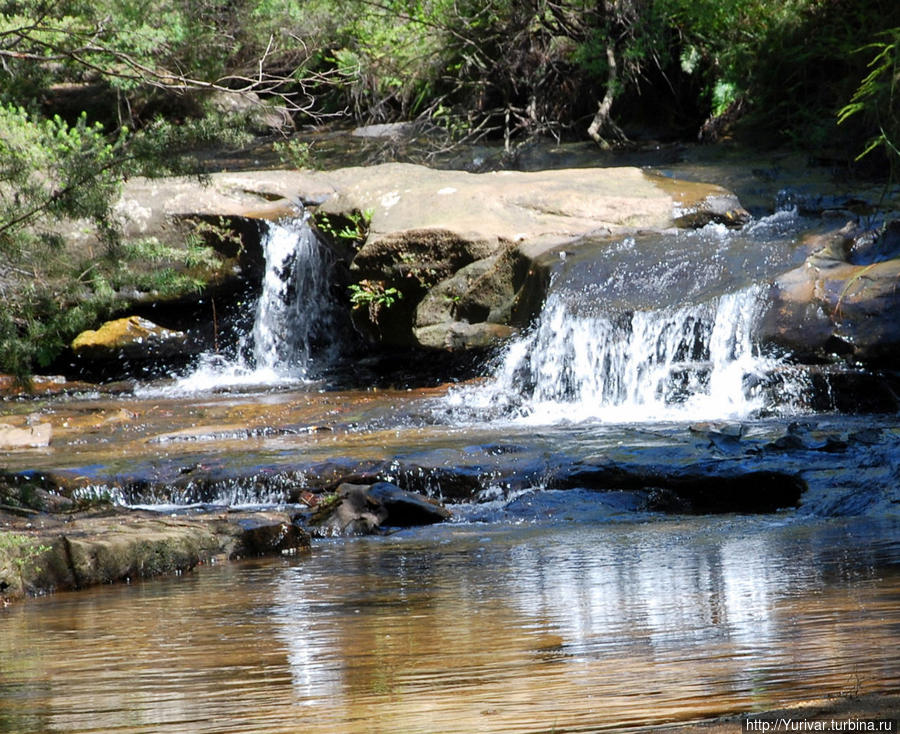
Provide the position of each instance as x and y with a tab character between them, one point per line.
473	627
554	600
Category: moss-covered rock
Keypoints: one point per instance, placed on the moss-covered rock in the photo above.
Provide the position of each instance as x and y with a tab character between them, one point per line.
132	337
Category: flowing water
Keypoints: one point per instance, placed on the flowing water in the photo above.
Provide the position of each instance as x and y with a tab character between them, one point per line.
535	609
649	328
293	333
532	628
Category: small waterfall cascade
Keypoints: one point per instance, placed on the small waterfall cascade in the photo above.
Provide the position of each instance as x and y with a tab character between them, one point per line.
295	313
657	327
294	331
678	363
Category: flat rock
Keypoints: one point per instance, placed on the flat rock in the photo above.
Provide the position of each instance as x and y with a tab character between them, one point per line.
71	552
426	226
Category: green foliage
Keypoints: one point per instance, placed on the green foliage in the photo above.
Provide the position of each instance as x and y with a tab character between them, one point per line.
295	153
350	229
374	296
59	181
506	68
50	170
22	550
877	99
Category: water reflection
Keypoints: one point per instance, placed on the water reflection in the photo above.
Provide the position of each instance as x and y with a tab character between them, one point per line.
472	628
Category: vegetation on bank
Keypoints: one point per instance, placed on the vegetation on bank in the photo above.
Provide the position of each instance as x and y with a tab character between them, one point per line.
92	93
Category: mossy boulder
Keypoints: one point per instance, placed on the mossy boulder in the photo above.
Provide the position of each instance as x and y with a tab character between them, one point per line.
132	338
46	552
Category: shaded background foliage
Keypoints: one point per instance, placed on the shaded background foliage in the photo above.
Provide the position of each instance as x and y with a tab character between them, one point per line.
91	93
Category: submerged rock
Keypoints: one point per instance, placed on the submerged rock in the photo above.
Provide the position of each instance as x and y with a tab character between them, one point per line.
701	488
363	509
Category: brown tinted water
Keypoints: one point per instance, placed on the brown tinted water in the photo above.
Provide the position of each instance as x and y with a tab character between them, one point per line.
472	628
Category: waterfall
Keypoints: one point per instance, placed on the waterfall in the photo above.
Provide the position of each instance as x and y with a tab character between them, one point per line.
295	314
678	363
295	324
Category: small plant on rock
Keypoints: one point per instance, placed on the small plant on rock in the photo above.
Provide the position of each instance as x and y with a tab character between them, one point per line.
374	296
354	230
21	549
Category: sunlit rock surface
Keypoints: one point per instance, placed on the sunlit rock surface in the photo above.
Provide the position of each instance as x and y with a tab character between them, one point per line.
459	246
132	337
842	301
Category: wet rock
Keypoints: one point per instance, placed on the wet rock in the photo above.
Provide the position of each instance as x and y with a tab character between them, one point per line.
363	509
131	338
703	488
453	484
724	437
407	509
264	534
839	388
696	205
116	544
572	506
457	336
794	437
832	308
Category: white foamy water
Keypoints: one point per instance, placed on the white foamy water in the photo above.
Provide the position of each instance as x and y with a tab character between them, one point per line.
292	336
688	363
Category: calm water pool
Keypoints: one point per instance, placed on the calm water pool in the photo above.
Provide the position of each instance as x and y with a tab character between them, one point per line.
465	628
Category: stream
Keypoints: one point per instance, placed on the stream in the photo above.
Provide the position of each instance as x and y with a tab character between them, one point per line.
472	627
549	601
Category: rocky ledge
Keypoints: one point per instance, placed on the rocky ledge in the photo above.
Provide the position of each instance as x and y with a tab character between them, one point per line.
41	552
60	547
458	249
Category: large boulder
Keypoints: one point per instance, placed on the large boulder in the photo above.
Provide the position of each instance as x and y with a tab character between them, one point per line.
842	301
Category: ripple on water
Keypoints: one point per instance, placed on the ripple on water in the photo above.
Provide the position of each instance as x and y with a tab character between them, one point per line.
469	628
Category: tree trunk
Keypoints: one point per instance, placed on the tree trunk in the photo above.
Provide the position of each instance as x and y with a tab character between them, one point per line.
602	122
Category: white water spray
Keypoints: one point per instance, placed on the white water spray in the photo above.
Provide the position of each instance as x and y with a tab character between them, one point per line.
688	363
294	326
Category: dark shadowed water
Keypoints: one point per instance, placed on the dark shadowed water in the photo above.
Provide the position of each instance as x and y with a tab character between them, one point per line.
465	628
